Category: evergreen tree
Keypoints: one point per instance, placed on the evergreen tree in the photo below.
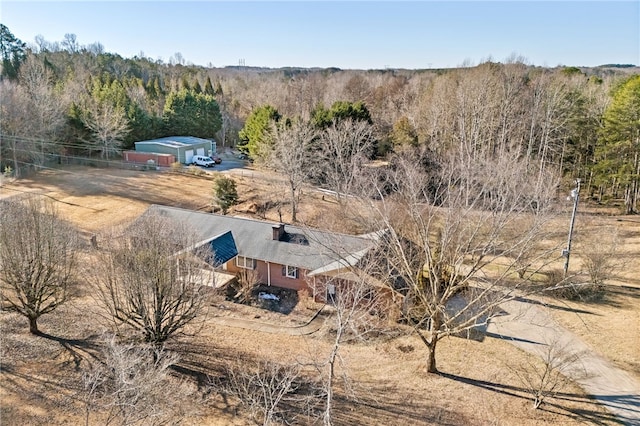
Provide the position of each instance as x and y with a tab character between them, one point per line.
196	87
12	51
185	83
150	89
404	134
218	91
188	113
339	111
255	136
225	193
619	145
208	88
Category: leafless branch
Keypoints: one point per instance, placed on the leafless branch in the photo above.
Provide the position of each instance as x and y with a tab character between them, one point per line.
38	258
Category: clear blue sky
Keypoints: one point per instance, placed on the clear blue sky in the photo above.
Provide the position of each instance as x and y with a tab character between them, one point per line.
347	35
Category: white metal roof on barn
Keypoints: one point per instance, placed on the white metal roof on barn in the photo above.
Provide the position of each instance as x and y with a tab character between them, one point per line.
175	141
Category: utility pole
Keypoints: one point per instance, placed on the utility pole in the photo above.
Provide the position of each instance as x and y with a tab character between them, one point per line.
575	193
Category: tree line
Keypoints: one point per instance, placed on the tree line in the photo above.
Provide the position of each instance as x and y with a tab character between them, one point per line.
68	97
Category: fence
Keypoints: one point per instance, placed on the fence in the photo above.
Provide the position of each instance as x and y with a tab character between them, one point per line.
53	161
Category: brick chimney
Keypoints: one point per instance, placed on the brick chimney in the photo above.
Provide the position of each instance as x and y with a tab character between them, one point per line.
278	231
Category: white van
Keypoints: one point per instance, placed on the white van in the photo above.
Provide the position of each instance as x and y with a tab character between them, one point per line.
202	160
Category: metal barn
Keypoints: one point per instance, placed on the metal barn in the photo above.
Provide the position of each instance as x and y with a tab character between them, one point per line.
182	147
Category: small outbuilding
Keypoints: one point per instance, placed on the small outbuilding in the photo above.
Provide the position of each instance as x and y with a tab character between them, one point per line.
182	147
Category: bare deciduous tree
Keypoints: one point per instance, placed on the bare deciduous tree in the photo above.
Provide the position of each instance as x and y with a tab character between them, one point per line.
32	115
109	126
264	389
14	125
153	278
291	156
356	302
38	257
598	250
455	238
600	254
247	281
129	386
545	378
355	306
45	107
346	146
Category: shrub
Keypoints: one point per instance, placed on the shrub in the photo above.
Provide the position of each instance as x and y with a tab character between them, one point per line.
195	170
225	193
574	287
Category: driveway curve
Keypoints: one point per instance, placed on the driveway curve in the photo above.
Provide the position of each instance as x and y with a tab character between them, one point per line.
531	328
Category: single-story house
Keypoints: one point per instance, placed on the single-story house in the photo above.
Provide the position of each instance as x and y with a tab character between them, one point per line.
282	255
183	148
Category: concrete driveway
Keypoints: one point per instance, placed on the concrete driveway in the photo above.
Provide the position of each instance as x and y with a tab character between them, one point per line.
531	328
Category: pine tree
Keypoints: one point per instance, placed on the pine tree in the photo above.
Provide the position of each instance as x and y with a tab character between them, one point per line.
196	87
225	193
208	88
218	90
619	145
185	83
12	51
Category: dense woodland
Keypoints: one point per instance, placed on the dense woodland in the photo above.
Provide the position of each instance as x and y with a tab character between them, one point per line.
64	97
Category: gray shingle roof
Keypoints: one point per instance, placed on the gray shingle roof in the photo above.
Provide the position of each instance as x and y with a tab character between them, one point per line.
303	247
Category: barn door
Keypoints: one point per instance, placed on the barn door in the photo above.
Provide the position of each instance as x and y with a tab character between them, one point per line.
188	156
201	151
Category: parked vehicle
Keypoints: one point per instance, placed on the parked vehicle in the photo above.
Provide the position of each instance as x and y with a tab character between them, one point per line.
216	159
202	160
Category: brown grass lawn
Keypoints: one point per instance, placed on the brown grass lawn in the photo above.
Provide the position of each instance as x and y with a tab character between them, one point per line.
40	380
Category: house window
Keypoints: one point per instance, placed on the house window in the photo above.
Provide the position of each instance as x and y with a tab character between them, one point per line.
245	262
290	271
331	293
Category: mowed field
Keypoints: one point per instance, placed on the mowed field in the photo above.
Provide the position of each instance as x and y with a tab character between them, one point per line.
41	377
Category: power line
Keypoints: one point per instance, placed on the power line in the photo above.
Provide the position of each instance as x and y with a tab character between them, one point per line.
86	145
39	153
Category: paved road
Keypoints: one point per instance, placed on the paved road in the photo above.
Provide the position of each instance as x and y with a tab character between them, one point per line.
531	328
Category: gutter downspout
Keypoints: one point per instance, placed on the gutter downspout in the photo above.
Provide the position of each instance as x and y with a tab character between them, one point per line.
268	274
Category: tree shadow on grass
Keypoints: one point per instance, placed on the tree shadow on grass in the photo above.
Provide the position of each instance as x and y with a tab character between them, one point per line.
371	402
554	306
79	349
512	339
551	404
32	388
47	386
